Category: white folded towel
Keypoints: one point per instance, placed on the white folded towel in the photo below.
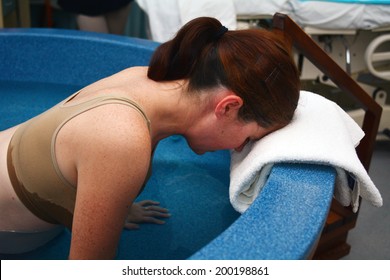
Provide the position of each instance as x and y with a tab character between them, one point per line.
321	133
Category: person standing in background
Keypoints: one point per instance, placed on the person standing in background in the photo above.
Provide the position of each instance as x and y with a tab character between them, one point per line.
105	16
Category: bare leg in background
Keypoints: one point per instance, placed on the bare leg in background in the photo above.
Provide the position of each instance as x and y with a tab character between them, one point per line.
113	22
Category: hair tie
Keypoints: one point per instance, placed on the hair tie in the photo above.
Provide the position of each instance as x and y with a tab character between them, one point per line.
222	30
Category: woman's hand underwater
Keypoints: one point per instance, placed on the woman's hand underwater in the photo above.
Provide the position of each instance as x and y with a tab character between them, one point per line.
146	211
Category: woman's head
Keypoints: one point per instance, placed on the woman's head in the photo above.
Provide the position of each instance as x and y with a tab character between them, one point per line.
254	64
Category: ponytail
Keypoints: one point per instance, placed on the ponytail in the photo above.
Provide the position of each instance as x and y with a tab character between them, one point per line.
180	57
257	65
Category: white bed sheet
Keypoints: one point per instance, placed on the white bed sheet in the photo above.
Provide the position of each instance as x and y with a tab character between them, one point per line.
259	7
167	16
332	15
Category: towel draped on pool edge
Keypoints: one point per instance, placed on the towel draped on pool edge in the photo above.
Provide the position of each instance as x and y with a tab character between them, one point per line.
320	133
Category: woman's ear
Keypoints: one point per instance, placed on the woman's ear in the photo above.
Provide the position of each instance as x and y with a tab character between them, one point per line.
228	106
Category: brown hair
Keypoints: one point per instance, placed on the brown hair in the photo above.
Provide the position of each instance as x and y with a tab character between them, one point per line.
255	64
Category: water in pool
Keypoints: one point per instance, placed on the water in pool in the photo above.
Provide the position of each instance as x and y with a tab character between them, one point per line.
21	101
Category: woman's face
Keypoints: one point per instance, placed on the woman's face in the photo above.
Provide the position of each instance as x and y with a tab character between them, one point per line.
226	136
220	128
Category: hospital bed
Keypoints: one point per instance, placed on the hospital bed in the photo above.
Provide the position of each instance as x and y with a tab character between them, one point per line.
377	58
343	27
318	17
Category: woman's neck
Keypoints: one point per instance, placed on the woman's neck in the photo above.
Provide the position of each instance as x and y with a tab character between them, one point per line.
170	108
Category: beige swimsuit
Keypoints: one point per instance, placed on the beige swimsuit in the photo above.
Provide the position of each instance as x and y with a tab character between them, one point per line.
32	164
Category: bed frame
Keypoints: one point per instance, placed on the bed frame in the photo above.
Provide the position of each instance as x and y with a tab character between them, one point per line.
333	242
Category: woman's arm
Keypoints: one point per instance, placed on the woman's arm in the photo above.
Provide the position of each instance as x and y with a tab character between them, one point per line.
113	156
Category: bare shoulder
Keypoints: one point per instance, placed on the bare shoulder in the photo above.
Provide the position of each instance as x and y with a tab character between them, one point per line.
114	129
112	134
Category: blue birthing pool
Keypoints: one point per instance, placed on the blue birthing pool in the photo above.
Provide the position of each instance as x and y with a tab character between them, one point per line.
40	67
